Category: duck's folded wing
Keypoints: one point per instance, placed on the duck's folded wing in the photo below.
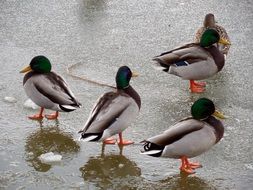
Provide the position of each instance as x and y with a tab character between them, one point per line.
106	111
176	132
188	52
63	85
178	48
55	88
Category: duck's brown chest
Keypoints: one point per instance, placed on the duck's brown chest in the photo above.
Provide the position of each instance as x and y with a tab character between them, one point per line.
217	56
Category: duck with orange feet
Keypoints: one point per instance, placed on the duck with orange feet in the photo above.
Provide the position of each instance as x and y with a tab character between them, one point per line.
189	137
194	61
113	112
47	89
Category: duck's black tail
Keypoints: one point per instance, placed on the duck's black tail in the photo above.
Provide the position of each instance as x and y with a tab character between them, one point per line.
152	149
86	137
69	108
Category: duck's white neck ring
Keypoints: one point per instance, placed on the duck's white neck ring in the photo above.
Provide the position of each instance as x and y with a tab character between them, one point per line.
204	118
126	87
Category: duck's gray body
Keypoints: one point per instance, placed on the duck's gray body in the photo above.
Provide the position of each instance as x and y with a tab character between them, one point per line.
189	137
112	114
191	61
50	91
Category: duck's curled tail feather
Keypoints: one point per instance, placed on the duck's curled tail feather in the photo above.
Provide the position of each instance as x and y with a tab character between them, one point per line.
152	149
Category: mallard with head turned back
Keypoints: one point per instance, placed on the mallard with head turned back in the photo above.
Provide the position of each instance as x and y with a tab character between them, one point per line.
113	112
209	22
47	89
189	137
194	61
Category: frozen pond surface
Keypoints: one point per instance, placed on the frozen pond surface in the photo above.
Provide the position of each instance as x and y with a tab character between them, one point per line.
102	35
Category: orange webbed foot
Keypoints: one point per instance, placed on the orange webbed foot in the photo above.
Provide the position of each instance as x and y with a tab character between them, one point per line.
187	170
188	166
197	87
52	116
194	165
110	141
125	142
36	117
201	84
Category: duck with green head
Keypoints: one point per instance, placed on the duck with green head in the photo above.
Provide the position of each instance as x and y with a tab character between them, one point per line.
189	137
210	22
194	61
47	89
113	112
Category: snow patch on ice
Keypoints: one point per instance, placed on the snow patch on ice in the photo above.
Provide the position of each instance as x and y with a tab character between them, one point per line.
10	99
50	158
30	104
249	166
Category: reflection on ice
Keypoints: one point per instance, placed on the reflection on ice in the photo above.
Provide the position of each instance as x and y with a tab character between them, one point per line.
106	170
49	139
183	181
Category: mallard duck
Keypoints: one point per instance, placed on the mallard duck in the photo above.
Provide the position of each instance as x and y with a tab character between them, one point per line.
189	137
194	61
209	22
113	112
47	89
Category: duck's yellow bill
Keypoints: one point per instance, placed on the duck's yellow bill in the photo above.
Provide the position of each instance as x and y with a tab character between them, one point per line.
224	41
219	115
135	74
27	69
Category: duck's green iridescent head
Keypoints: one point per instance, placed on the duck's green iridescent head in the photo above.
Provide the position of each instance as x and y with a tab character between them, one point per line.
123	77
210	37
39	64
203	108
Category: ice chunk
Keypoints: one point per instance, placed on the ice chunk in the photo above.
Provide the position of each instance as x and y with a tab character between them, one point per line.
50	158
249	166
15	163
10	99
30	104
30	154
121	165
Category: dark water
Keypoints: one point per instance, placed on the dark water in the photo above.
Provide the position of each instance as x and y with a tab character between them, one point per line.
101	36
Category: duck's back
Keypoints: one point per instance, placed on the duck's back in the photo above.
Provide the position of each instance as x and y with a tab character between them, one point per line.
113	113
192	144
188	137
189	53
49	91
